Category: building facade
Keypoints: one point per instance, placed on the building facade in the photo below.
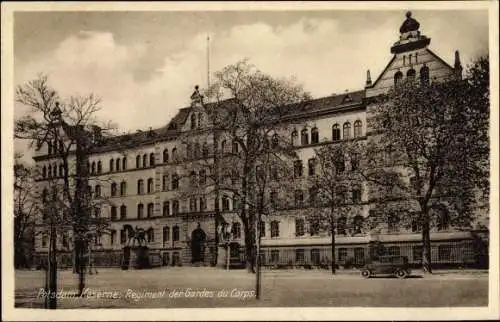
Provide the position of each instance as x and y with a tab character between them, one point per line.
138	178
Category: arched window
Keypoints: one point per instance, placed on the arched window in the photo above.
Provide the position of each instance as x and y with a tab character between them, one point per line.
54	170
165	156
111	165
118	164
165	183
404	60
410	75
223	146
97	190
358	129
123	212
145	161
44	172
61	170
304	137
312	166
236	230
150	185
174	154
150	235
113	212
347	131
93	168
398	77
166	234
140	187
99	167
175	207
113	189
151	159
203	203
138	161
140	211
236	147
175	181
205	150
356	194
193	121
409	59
416	58
314	135
200	119
294	136
424	75
151	209
176	233
192	204
225	203
299	227
166	208
357	224
275	141
335	132
124	163
275	228
341	225
123	188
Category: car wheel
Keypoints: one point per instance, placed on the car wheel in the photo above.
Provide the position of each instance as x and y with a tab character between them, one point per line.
401	273
366	273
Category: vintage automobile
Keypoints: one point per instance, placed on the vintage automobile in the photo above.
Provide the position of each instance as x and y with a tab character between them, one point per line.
387	265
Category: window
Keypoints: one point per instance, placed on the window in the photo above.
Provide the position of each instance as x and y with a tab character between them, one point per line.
275	228
341	225
112	237
356	194
339	165
262	229
140	211
313	196
275	256
417	253
99	167
409	59
165	182
175	207
97	190
314	227
166	233
203	177
299	198
151	209
203	203
294	136
140	187
54	170
354	161
200	119
299	256
123	212
404	60
44	239
175	181
393	221
236	230
111	165
357	224
174	154
275	141
424	75
113	213
123	188
138	161
236	147
342	254
50	171
312	166
225	203
166	208
124	163
97	212
197	150
204	150
192	204
398	77
61	170
304	137
394	251
314	135
118	164
113	189
150	235
223	146
193	121
443	221
358	129
415	226
93	168
335	132
347	131
145	161
410	75
165	156
123	236
315	257
175	233
299	227
297	168
150	185
44	172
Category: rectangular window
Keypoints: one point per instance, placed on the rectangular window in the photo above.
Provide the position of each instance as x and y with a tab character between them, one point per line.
342	254
315	257
299	256
417	253
297	169
275	229
275	256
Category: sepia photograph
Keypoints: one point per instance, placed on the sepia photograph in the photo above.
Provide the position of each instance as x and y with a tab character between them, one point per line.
250	156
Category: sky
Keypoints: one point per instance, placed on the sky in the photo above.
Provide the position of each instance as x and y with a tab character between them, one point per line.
144	65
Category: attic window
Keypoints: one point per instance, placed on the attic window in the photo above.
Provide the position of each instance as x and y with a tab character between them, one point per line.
347	99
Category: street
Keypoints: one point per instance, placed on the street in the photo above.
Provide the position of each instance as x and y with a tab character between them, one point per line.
211	287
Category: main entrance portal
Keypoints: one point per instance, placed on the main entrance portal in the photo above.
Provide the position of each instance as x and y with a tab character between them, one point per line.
198	237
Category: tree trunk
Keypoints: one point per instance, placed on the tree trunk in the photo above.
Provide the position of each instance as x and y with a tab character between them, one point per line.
332	231
426	251
257	260
52	299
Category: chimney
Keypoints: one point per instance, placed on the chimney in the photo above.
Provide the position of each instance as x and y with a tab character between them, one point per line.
458	66
368	78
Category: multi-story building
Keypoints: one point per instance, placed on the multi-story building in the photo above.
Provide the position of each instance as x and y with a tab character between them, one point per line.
139	177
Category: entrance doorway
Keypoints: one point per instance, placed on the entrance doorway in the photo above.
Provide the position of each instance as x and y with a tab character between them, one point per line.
198	238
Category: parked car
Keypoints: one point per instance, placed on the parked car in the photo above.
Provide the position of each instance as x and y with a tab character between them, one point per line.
387	265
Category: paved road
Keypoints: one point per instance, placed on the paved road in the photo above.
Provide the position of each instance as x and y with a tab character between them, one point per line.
209	287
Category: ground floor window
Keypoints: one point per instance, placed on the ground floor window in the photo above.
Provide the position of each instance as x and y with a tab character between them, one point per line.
394	251
315	258
417	253
275	256
444	252
342	254
299	256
